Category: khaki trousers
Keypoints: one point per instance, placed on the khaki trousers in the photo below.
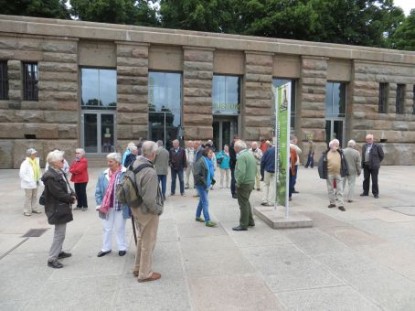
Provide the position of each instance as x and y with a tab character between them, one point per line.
30	203
147	225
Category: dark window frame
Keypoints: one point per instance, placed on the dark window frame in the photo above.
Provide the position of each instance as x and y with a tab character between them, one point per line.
30	81
400	98
383	97
4	81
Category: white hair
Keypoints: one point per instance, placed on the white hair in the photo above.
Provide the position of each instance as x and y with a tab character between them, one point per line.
148	148
334	142
54	156
351	143
240	144
81	151
114	156
130	145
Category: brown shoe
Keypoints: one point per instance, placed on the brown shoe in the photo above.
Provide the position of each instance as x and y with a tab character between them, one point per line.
153	277
135	273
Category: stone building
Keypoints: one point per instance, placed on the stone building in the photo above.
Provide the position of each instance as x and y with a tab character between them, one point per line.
65	84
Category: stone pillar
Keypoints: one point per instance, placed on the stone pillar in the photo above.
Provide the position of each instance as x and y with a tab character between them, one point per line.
197	93
311	109
257	113
15	83
132	92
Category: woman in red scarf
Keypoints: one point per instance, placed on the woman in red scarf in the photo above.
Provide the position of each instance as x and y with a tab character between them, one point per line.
112	213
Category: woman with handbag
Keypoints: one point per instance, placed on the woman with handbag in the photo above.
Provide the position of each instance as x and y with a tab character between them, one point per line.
59	197
112	213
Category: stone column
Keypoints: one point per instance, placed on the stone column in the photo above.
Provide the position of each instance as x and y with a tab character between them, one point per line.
311	112
132	92
197	93
257	113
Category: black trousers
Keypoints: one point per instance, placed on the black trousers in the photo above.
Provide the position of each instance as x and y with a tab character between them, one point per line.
367	174
233	182
80	190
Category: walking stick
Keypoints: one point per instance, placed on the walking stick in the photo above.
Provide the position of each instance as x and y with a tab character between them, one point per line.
134	232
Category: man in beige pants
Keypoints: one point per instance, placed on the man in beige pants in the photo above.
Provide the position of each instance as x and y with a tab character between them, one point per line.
146	215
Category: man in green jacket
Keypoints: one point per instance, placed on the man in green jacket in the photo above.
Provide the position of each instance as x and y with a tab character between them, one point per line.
245	172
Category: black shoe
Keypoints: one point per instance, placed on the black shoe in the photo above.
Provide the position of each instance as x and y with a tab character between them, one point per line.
331	205
239	228
234	196
55	264
101	253
350	201
342	208
251	225
122	253
376	196
295	191
364	194
63	255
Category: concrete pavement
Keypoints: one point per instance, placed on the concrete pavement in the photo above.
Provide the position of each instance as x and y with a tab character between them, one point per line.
361	259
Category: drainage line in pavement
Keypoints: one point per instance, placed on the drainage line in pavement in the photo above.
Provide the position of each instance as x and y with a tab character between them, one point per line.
4	255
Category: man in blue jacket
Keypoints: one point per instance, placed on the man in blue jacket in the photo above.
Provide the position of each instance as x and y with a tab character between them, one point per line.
268	174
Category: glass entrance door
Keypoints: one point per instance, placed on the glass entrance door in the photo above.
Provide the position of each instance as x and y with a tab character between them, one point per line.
223	131
335	130
98	134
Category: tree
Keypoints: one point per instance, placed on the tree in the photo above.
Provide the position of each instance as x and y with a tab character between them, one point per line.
404	36
130	12
38	8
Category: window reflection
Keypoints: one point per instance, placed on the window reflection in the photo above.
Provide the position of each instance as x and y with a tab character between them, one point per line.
335	99
226	95
99	88
164	96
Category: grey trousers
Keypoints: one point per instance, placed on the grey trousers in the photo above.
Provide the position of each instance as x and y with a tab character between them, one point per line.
58	238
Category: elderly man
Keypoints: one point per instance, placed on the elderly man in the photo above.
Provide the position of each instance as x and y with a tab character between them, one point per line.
332	167
353	161
161	164
177	161
372	155
257	153
245	173
268	175
147	214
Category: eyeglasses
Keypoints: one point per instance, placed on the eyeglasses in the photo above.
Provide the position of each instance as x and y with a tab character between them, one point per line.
63	161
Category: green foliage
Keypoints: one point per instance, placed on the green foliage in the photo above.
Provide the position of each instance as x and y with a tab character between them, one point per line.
114	11
404	36
38	8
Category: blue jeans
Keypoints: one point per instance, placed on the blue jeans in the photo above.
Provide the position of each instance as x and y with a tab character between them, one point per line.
175	173
203	203
162	181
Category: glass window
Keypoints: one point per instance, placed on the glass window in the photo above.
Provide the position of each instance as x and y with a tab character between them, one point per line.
30	81
400	98
165	102
335	99
279	82
4	81
99	88
383	97
226	95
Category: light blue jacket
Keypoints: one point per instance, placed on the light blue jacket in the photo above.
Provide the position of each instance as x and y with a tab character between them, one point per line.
102	185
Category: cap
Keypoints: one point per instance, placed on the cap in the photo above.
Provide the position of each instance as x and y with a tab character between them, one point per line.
31	151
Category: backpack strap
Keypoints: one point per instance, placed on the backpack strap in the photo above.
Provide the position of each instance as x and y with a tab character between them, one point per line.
140	167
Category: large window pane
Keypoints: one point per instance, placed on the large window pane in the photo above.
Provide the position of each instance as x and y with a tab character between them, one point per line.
30	81
335	99
226	95
4	81
99	88
164	96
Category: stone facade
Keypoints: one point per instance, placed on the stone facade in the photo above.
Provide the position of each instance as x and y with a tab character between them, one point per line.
61	48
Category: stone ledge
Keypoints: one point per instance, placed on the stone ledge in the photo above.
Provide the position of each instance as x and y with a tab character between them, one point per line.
276	218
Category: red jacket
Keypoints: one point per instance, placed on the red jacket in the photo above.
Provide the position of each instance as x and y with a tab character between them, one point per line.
79	171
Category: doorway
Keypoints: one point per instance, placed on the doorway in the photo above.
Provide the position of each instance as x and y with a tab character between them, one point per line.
223	131
98	131
335	130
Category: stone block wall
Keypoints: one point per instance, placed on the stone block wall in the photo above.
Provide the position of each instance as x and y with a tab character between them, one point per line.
197	93
397	129
54	118
257	109
132	92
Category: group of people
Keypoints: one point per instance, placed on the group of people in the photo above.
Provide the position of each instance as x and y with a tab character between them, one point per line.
340	167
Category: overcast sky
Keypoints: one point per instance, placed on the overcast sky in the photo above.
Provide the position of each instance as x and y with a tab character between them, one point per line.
406	5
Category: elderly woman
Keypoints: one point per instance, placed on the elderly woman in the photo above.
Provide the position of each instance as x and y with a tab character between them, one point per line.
79	171
29	181
112	213
58	199
203	176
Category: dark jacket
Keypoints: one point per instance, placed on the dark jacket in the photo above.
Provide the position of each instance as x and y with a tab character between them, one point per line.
268	161
58	200
376	156
322	165
200	172
177	160
129	159
232	155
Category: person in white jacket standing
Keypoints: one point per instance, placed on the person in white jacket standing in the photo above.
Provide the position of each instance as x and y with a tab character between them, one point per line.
30	174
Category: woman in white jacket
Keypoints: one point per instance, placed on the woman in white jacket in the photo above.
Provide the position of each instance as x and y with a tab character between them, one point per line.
30	174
